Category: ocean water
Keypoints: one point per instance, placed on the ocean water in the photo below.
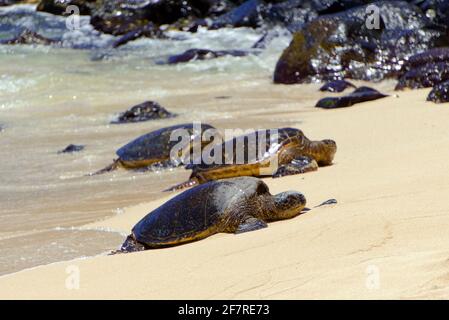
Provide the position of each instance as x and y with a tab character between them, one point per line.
54	96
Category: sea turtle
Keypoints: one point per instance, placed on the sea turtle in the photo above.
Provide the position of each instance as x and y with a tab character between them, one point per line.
154	148
276	153
230	205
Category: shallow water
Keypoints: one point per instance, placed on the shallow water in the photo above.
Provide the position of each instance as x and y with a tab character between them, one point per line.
51	97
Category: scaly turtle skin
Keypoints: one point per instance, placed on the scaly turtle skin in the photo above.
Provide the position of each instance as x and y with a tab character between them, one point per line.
154	148
231	205
290	152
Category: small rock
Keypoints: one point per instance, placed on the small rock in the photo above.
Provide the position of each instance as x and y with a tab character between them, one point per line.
361	94
336	86
72	148
148	110
439	93
28	37
203	54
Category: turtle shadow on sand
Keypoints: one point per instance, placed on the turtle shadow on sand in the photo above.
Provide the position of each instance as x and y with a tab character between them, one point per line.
234	205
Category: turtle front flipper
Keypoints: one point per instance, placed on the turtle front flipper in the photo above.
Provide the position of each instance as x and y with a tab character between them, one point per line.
114	165
296	166
130	245
251	224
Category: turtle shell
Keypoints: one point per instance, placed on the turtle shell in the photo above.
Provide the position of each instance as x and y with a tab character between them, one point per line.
257	146
154	146
199	212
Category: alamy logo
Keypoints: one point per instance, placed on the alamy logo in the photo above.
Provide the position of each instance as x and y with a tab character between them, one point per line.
373	17
237	146
373	277
72	282
72	22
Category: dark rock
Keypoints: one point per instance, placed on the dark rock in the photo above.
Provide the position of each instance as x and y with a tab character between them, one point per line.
341	45
72	148
361	94
245	15
424	76
429	56
149	31
203	54
439	93
59	7
28	37
148	110
11	2
119	17
336	86
437	10
293	13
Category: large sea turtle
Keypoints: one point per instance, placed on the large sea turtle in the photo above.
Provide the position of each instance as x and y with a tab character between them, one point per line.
230	205
154	148
263	153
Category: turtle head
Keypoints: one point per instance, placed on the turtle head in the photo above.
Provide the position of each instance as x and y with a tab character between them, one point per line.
289	203
325	152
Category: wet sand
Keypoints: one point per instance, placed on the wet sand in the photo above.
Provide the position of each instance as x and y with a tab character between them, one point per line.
386	238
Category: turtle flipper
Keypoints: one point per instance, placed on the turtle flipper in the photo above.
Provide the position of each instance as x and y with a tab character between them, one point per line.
186	184
114	165
130	245
251	224
298	165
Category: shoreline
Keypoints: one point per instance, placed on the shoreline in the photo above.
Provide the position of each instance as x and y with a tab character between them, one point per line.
388	225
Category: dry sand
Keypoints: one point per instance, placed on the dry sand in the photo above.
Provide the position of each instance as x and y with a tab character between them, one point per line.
388	236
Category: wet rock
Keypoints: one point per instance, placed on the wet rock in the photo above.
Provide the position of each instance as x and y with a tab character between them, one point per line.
28	37
11	2
293	13
341	45
148	110
59	7
203	54
119	17
72	148
439	93
437	10
336	86
148	31
247	14
359	95
424	76
429	56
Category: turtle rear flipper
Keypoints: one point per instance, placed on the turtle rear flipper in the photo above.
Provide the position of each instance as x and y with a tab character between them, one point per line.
186	184
114	165
251	224
297	166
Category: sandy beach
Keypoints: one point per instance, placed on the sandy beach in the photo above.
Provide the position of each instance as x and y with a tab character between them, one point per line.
386	238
